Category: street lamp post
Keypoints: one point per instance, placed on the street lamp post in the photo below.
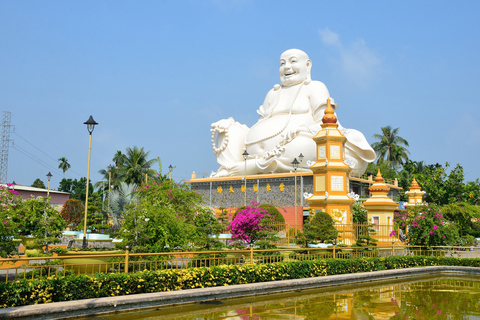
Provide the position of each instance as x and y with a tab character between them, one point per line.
49	176
170	168
301	156
295	166
90	126
109	184
146	167
245	157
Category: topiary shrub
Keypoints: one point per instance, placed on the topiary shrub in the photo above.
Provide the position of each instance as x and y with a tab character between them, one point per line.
274	213
322	226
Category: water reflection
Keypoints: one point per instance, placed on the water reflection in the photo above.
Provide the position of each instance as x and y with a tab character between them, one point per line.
439	297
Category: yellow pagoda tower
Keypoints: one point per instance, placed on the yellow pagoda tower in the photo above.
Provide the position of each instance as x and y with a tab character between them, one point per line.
379	206
415	194
330	172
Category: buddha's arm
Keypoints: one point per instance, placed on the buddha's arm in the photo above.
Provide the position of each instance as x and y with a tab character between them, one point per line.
265	108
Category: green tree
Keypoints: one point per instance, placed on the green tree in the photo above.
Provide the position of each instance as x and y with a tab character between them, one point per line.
76	188
443	188
162	218
11	210
136	166
38	184
119	159
49	225
391	146
114	177
64	165
462	214
207	227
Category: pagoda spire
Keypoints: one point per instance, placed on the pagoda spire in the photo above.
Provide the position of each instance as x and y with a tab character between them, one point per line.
330	172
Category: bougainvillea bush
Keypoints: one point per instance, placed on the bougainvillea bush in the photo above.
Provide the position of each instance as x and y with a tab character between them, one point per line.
426	227
252	224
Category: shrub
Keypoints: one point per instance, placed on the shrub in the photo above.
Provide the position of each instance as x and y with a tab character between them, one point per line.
72	212
253	224
273	212
75	287
10	213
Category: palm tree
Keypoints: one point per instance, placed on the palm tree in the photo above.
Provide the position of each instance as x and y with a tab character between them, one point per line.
115	178
391	146
64	165
136	166
121	198
119	158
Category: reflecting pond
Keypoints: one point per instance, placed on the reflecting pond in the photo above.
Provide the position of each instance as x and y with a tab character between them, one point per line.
433	297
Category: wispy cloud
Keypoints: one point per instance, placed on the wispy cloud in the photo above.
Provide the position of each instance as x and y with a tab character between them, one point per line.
355	60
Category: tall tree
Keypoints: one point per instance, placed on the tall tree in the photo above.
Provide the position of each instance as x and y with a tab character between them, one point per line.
38	184
119	158
136	166
76	188
115	178
391	146
64	165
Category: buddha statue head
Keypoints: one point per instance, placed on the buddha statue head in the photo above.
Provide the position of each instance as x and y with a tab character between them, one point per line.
294	67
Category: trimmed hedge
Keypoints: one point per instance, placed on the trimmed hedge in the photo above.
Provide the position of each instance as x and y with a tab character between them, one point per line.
75	287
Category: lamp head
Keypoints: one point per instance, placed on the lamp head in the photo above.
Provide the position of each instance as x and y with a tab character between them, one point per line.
295	163
49	176
90	124
245	155
301	156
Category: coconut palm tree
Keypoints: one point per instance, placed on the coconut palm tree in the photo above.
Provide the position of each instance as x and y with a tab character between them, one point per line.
115	178
119	158
64	165
136	166
391	146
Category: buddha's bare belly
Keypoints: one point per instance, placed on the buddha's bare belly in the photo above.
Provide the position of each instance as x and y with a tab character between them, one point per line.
268	134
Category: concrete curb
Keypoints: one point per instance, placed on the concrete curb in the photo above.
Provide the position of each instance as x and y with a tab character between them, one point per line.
68	309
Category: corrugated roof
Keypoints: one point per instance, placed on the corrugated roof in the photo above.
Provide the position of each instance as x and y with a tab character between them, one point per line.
32	189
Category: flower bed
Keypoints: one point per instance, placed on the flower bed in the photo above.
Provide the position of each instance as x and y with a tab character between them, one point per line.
74	287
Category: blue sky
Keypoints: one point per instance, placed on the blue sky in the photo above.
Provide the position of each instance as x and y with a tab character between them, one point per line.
156	74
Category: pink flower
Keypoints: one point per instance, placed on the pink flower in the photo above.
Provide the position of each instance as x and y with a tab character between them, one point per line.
435	227
432	233
443	236
424	235
439	312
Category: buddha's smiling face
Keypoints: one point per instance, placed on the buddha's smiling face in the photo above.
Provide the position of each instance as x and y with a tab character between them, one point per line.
294	67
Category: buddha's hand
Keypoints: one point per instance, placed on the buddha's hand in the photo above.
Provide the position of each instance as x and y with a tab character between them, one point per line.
289	135
223	124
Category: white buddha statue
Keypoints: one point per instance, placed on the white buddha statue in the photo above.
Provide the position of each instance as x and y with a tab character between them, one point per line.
289	118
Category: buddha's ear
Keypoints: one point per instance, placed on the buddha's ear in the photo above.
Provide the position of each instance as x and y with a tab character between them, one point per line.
309	67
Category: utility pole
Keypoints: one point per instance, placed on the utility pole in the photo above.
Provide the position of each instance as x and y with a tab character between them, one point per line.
4	144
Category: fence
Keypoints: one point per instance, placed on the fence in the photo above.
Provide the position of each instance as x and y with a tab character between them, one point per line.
30	268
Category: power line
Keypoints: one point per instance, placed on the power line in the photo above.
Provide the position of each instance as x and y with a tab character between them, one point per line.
34	146
56	160
29	155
